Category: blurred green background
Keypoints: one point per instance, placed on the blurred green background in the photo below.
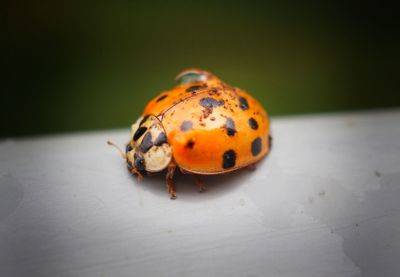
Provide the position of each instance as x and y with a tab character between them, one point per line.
74	66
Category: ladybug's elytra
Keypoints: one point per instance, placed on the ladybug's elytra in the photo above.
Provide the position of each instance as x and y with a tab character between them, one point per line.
202	126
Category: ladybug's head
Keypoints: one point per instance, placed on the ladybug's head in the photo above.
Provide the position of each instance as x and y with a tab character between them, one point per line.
148	150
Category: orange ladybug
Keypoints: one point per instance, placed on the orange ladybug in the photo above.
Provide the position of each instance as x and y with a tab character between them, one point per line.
202	126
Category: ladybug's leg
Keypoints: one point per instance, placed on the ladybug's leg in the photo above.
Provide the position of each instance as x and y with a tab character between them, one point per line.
199	183
183	171
196	178
251	167
136	173
170	182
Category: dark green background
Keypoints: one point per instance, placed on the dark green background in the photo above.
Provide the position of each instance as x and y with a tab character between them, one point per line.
73	67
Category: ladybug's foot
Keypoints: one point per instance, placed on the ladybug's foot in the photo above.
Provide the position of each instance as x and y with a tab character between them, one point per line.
251	167
199	183
172	192
170	182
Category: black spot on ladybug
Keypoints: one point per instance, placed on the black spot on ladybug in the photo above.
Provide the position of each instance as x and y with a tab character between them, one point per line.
228	159
230	127
161	139
193	88
146	143
189	144
139	132
128	148
209	102
243	104
139	163
162	97
256	147
186	125
253	123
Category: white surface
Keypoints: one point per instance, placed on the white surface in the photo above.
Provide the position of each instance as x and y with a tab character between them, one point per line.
326	202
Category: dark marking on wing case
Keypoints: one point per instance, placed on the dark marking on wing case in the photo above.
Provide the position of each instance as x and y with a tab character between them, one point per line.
139	132
194	88
162	97
256	146
186	125
228	159
230	127
253	123
147	143
243	104
189	144
209	102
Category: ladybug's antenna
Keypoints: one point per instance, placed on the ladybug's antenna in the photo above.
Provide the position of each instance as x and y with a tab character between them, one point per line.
109	142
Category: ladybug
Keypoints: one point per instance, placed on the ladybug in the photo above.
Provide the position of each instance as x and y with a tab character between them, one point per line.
202	126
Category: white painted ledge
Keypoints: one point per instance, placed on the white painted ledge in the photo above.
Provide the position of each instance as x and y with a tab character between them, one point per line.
326	202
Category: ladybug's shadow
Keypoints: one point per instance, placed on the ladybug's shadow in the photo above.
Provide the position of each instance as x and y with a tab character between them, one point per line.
216	185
